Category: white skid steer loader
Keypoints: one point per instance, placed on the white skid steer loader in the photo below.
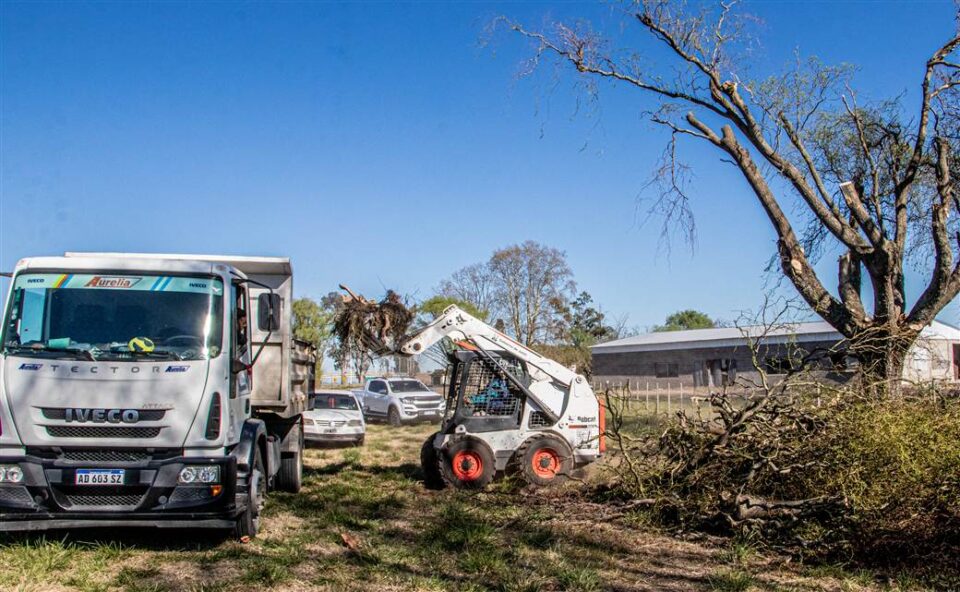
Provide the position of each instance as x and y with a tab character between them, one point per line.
509	410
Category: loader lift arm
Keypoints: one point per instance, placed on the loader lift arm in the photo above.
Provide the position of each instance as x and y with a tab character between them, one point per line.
458	325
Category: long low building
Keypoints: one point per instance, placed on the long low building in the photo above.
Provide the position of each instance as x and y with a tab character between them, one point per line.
715	357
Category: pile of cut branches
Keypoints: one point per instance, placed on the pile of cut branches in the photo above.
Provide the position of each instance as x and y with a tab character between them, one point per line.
379	326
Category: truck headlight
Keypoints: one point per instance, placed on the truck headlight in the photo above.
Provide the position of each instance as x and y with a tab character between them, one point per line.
11	474
355	423
199	474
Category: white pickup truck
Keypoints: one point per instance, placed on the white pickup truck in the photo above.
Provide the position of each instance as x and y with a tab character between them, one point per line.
401	400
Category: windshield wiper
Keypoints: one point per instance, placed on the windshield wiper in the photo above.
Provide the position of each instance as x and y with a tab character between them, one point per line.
40	348
163	354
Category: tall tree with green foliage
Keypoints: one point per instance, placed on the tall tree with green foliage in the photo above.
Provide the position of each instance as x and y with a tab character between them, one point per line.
684	320
311	323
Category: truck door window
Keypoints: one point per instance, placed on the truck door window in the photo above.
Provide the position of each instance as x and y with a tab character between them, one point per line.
241	329
379	387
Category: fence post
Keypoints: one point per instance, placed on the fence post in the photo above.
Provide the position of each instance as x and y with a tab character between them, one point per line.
657	412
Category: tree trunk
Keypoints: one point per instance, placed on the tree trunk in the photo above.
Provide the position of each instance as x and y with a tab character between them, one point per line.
882	354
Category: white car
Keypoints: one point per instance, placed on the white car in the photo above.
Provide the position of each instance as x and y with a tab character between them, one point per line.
334	417
402	400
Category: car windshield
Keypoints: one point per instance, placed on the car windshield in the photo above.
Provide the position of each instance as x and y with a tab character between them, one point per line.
407	386
329	401
116	316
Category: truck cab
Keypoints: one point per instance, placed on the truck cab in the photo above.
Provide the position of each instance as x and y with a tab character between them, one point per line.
129	394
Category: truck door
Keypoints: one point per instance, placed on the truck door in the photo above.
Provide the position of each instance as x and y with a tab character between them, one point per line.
241	384
377	397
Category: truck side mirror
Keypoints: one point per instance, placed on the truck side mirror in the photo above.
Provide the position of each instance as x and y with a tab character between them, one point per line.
268	312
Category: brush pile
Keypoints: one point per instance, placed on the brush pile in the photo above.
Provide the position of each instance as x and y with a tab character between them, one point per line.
380	327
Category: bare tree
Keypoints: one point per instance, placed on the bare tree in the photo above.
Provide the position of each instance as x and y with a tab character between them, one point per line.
472	284
529	281
873	181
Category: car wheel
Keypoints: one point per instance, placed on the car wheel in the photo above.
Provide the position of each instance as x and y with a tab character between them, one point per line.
466	464
393	416
248	522
359	441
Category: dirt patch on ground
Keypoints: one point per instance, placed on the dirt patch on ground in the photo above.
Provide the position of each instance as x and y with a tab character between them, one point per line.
365	522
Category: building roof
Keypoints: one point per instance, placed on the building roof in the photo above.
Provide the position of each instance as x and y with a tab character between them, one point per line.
733	336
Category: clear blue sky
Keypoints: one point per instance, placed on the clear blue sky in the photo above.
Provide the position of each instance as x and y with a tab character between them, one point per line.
379	144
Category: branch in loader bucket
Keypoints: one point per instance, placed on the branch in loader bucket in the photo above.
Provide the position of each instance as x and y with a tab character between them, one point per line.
380	327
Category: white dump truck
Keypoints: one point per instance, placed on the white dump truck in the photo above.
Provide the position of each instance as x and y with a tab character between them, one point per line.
149	390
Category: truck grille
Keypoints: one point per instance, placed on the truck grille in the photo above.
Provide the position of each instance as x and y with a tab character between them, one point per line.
15	496
144	414
101	432
428	402
190	494
105	456
90	500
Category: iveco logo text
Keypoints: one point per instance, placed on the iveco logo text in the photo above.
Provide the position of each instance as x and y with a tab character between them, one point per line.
102	415
33	367
102	281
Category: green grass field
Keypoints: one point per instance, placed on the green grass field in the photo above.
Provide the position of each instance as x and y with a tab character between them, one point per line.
365	522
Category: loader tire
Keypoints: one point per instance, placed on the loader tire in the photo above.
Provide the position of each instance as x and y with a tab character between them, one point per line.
466	464
432	479
543	460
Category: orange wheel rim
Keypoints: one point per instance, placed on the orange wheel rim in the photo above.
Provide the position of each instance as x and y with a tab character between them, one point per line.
467	465
546	463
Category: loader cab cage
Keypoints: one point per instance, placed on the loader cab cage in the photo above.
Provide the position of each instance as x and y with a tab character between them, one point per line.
481	395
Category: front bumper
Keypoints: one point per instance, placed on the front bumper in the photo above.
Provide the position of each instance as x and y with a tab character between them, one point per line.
320	434
150	495
408	413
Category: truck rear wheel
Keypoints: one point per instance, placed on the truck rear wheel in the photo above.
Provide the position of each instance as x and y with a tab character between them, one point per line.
432	479
290	475
248	522
466	464
543	460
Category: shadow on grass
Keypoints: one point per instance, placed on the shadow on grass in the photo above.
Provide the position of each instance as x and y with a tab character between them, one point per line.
143	538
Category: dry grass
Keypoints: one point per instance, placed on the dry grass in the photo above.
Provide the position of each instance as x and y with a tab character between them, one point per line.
409	538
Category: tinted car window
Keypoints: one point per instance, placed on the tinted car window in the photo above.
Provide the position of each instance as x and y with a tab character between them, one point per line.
407	386
378	386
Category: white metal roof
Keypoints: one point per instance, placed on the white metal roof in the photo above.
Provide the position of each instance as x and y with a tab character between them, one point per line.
107	262
248	265
733	336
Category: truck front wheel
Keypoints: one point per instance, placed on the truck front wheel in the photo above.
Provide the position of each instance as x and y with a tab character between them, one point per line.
248	522
393	416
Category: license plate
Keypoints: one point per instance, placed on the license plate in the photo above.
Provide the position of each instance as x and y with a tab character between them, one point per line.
99	477
330	431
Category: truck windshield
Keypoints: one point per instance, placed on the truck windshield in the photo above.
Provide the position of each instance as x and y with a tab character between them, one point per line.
407	386
115	316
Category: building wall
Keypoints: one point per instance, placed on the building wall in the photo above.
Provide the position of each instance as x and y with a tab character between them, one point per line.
707	366
697	367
